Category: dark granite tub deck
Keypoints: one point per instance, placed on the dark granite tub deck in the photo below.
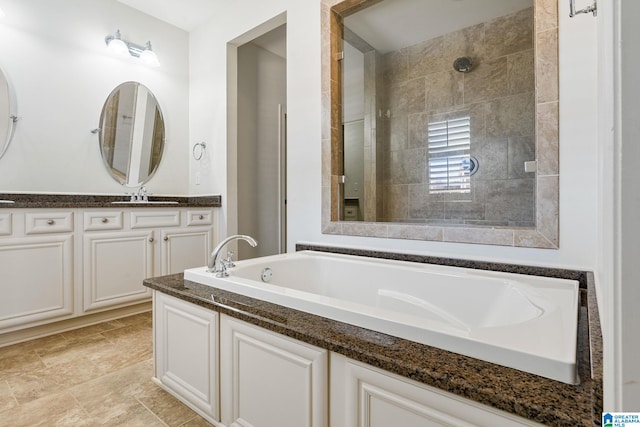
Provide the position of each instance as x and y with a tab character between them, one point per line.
530	396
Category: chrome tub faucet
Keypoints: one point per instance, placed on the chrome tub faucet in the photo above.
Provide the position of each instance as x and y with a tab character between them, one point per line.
220	266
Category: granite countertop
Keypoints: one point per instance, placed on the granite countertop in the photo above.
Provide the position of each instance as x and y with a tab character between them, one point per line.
72	201
530	396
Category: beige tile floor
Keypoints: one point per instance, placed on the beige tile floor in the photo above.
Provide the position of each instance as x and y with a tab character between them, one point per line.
97	375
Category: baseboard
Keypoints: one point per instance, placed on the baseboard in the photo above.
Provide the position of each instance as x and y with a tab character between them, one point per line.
22	335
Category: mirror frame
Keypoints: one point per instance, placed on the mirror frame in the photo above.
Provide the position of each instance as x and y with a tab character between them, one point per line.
110	170
546	232
13	114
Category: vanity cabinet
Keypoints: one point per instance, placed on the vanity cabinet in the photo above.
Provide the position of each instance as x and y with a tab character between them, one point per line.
36	263
270	380
59	264
362	395
186	352
265	379
181	249
115	264
122	249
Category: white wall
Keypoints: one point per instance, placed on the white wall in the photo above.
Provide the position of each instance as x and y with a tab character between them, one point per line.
261	87
578	199
605	262
619	206
55	56
625	310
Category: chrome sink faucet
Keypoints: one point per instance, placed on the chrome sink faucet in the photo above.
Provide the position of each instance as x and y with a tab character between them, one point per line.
143	196
140	196
220	267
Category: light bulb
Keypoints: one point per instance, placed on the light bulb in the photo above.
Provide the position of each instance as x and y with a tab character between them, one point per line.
117	46
149	57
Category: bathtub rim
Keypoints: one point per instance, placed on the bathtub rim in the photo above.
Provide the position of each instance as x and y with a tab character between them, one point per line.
560	368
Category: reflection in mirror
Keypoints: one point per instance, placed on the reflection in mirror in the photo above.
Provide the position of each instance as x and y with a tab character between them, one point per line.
437	111
131	134
452	90
8	117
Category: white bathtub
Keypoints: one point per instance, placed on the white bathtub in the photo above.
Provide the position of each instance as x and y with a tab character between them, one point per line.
523	322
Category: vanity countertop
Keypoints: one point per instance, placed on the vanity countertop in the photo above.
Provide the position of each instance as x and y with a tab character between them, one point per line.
530	396
72	201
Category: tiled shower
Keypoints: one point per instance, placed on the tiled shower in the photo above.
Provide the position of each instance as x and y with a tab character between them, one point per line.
423	99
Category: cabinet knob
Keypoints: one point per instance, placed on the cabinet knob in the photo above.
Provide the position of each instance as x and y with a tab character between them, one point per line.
201	217
150	239
105	220
166	238
51	222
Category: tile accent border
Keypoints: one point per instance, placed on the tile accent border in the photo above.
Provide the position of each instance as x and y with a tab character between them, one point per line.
546	233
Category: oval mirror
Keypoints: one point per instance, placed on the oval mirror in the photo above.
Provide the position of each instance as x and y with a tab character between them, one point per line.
8	116
131	134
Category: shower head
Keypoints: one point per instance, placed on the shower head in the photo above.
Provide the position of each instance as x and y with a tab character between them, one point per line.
464	64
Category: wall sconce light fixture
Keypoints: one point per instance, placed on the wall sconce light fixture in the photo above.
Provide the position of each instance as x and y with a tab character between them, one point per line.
2	14
122	47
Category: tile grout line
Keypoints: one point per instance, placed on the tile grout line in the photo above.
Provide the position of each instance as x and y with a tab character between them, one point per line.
153	413
11	388
15	399
91	417
192	419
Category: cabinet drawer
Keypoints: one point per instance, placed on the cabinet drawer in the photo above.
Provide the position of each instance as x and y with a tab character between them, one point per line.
199	217
5	224
103	220
151	218
350	213
48	222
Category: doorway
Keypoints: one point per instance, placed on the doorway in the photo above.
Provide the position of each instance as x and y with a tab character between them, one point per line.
261	143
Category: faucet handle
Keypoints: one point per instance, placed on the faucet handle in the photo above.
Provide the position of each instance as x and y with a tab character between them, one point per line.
229	261
222	270
143	195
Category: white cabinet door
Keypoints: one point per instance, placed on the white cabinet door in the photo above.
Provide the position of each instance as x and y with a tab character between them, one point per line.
186	352
269	380
185	248
364	396
37	278
115	264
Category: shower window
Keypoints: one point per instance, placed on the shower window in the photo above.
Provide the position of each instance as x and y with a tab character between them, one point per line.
449	156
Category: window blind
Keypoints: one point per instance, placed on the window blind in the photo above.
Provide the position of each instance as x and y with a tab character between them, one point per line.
449	150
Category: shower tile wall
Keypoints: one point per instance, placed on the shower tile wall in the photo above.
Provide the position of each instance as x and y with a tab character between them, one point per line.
498	95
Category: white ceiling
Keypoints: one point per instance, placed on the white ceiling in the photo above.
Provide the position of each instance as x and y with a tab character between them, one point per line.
189	14
185	14
388	25
393	24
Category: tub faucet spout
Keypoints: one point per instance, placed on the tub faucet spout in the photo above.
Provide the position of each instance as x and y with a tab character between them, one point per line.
220	267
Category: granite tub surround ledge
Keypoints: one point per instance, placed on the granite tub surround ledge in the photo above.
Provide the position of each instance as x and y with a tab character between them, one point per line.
63	200
530	396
